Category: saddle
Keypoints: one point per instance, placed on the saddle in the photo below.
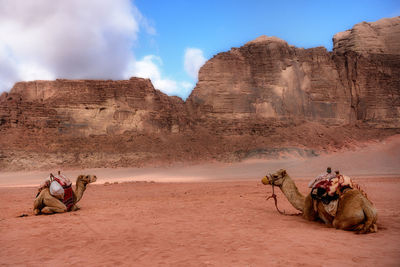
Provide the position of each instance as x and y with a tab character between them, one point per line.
68	199
329	192
321	191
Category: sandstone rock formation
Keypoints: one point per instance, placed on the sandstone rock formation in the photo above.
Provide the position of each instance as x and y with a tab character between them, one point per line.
85	122
380	37
262	99
85	107
267	79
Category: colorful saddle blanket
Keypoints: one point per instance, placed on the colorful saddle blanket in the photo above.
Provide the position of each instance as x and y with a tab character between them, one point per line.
331	189
68	193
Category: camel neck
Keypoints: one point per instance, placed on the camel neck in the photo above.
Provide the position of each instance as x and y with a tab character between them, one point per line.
293	195
79	190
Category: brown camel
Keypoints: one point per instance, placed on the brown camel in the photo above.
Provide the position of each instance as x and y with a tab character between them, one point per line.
47	204
354	211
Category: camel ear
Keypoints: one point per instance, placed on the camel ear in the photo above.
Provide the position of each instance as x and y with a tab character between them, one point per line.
283	172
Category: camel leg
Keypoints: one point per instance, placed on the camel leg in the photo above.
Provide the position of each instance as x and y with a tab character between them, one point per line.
309	213
75	207
349	216
370	219
38	203
53	205
358	224
51	210
356	215
364	228
353	222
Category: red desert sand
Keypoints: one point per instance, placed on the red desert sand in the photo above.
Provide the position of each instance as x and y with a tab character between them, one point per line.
205	215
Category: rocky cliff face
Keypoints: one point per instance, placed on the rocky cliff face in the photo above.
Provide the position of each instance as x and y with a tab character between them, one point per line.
86	123
267	79
87	107
262	99
380	37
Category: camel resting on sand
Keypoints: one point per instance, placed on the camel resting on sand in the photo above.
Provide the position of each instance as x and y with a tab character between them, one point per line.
354	211
47	204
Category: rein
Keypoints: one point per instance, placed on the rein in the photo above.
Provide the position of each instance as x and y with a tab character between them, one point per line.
276	200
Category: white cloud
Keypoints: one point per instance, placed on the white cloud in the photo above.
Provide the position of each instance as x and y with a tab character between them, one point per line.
79	39
31	71
187	85
150	67
194	59
47	39
144	22
8	69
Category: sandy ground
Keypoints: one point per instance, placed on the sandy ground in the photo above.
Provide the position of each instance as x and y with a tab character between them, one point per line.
201	215
192	224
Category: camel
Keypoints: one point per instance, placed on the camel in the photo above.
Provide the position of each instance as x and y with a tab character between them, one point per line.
45	203
354	211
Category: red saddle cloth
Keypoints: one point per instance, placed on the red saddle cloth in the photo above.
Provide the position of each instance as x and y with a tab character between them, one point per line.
325	184
68	194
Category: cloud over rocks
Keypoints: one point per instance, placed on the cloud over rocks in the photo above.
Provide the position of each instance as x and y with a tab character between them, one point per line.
150	67
80	39
46	39
193	61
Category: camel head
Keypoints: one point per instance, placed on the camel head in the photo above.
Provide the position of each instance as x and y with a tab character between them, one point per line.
86	179
275	178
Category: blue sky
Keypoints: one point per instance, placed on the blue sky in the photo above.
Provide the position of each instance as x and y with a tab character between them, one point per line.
166	41
216	26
